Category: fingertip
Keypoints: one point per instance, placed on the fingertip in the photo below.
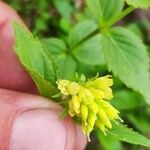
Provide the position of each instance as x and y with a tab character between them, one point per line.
12	74
7	13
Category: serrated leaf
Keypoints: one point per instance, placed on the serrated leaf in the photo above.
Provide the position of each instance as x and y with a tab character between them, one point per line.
81	31
105	10
139	3
126	56
45	88
89	52
123	133
38	63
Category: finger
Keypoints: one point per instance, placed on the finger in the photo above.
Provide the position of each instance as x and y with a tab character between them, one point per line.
12	74
31	122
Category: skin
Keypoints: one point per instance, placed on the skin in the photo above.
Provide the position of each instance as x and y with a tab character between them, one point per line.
28	121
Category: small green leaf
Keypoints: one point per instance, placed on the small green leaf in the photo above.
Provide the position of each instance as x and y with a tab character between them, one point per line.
105	10
35	59
109	142
81	31
125	134
126	56
139	3
89	52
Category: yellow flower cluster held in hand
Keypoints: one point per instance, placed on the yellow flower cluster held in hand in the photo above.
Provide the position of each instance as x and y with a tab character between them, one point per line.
90	102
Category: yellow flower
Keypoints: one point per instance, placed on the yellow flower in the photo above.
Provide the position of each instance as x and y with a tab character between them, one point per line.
88	102
97	93
76	104
84	113
110	111
62	86
86	96
68	88
73	88
102	84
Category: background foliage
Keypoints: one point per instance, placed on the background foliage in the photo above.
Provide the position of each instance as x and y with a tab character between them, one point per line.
69	32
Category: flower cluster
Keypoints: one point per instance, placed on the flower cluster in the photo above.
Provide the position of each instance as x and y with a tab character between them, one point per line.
89	101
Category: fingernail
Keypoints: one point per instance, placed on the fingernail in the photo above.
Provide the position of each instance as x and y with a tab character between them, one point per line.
38	130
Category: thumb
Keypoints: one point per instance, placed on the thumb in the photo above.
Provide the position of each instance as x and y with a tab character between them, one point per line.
12	74
31	122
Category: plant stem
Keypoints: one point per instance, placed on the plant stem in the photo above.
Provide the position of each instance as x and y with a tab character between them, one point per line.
119	17
108	25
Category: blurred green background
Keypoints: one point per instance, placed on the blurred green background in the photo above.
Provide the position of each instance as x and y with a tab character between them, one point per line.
56	18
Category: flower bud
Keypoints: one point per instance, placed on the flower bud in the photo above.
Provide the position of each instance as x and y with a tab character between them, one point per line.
86	96
94	108
104	118
101	126
91	121
103	82
76	103
73	88
84	112
98	94
108	94
110	111
62	86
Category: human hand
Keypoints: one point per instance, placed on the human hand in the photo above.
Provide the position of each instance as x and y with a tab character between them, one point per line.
27	121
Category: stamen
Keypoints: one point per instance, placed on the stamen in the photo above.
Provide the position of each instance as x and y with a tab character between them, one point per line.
88	137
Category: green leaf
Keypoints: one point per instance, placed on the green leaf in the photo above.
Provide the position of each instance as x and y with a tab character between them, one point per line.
126	99
125	134
141	121
89	52
64	8
105	10
126	56
55	45
109	142
45	88
67	66
38	63
65	62
139	3
81	31
134	27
